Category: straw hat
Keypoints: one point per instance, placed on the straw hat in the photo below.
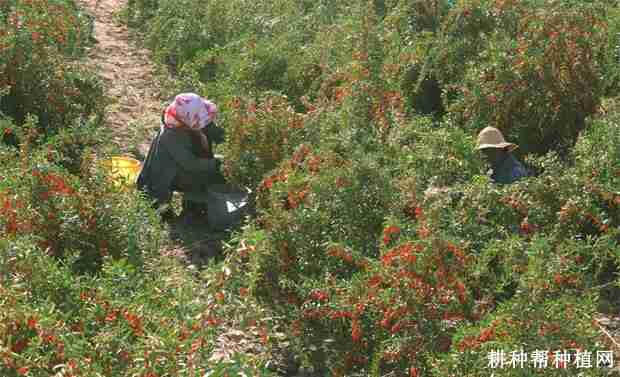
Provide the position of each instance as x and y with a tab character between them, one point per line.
491	137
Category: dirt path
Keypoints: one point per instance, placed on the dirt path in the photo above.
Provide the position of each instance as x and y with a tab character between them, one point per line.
128	76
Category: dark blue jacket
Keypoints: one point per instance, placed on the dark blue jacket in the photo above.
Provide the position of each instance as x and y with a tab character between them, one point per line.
508	171
173	157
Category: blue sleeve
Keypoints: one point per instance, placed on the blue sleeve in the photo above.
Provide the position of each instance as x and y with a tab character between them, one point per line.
519	171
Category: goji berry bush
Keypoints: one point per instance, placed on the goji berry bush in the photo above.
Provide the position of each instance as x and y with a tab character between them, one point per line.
379	246
371	274
40	41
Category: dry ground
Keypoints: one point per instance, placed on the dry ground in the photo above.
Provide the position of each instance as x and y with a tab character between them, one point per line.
128	75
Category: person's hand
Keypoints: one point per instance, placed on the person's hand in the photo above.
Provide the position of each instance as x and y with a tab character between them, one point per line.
456	195
212	166
215	133
435	191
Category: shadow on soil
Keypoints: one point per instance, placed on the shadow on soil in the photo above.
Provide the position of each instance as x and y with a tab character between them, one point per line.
199	241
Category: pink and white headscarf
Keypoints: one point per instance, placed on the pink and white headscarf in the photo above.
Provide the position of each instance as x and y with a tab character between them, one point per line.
189	110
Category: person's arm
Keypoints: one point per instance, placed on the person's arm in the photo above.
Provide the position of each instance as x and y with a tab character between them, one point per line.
179	146
433	192
204	142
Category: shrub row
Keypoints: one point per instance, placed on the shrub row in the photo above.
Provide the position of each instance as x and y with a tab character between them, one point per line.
39	42
370	275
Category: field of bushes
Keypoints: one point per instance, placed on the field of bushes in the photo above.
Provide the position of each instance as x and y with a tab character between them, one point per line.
342	116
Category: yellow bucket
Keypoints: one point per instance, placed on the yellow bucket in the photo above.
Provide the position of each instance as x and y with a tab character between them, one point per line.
123	170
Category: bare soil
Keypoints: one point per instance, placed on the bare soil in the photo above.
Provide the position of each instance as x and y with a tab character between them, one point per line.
129	79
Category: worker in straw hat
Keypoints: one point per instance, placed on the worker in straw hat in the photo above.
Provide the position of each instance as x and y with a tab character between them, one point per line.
505	168
181	157
497	152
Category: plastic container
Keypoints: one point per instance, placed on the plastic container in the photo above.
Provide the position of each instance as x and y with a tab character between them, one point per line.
226	205
123	170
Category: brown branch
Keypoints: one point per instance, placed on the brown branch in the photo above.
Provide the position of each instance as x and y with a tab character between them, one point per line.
607	334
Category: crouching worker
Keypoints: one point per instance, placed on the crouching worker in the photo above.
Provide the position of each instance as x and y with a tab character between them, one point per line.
181	157
506	169
497	152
